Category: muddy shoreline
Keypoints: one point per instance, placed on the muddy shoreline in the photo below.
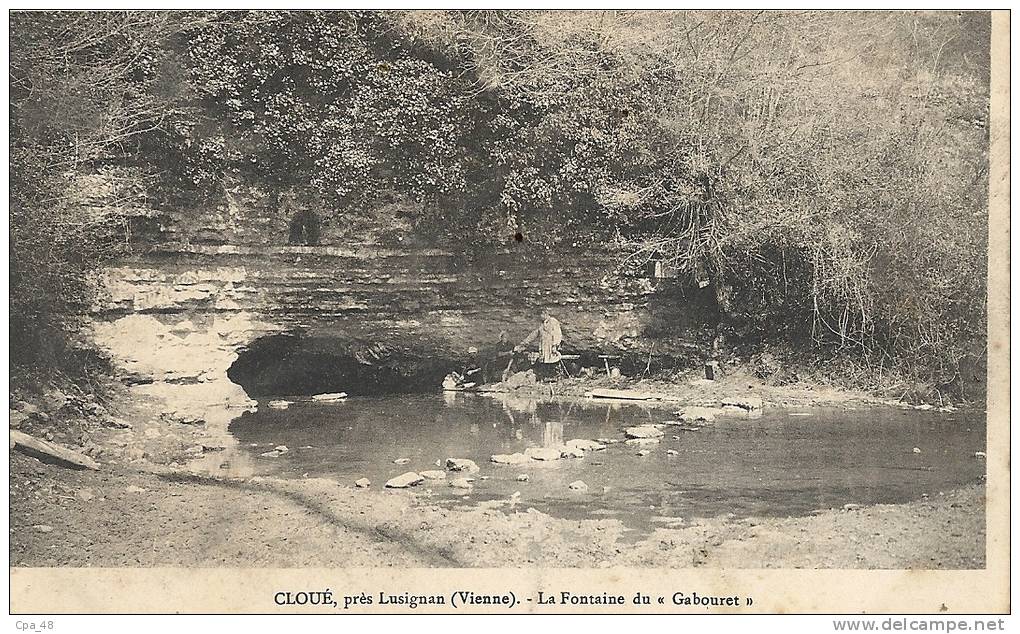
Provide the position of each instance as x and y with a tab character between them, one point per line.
150	505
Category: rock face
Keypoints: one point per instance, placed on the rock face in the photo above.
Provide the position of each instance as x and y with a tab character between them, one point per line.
461	464
405	480
643	431
513	458
543	453
224	301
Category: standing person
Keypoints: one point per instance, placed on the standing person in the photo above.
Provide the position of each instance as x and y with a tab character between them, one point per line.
550	337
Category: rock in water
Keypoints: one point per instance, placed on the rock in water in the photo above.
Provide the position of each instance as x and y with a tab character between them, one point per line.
332	396
643	441
521	379
692	414
512	458
271	454
462	483
543	453
585	445
433	474
461	464
405	480
50	452
578	485
278	404
643	431
572	452
362	483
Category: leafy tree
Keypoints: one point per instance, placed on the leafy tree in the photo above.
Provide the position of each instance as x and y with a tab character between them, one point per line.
84	87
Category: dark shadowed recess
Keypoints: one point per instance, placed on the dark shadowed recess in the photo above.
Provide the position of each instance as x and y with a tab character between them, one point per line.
298	364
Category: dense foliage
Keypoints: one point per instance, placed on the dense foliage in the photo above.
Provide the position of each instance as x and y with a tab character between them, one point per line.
826	173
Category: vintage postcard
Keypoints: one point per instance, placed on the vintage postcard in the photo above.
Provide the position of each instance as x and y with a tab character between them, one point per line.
509	311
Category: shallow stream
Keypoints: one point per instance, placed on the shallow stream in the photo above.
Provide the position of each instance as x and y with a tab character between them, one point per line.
782	462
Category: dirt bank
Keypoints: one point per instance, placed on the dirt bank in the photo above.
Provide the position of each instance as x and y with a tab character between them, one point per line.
691	388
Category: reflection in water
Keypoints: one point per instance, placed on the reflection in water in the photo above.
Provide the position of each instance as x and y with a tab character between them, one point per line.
553	435
775	464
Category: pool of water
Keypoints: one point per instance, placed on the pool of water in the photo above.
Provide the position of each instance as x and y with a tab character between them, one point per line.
782	462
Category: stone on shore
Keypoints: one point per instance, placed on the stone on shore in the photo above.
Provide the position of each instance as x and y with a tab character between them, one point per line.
362	483
462	483
523	477
46	451
578	485
461	464
746	402
433	474
117	423
17	419
402	461
405	480
643	452
181	418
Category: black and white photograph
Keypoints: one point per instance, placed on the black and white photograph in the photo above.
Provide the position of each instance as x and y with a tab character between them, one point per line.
506	289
